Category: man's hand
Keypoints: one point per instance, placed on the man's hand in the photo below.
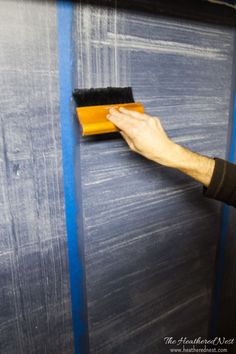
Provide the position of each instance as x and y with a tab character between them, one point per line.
144	134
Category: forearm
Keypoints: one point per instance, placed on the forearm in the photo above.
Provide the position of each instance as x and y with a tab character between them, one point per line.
194	165
144	134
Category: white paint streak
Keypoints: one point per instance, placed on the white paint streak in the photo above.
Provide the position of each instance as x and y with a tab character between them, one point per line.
159	46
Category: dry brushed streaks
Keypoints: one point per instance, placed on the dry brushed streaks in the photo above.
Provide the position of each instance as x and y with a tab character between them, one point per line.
149	236
35	299
100	65
160	46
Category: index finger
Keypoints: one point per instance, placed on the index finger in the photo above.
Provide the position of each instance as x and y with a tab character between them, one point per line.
133	114
121	123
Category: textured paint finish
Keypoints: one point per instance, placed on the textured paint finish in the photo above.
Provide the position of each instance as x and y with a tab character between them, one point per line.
227	289
227	319
35	314
149	236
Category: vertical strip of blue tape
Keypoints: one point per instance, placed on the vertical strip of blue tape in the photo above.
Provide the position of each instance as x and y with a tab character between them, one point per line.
232	155
223	236
65	17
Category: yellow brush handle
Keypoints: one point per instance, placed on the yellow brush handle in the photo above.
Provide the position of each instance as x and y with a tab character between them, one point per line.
93	118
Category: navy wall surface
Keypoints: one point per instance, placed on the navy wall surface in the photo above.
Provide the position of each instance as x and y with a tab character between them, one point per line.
35	306
149	235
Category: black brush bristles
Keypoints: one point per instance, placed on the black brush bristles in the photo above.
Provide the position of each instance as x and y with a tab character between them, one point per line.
102	96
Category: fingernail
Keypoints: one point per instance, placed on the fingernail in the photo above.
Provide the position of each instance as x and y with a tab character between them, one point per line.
111	110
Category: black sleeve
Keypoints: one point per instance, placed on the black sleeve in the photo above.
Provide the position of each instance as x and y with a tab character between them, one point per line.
223	183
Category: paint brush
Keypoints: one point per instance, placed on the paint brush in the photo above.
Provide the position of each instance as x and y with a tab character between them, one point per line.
92	107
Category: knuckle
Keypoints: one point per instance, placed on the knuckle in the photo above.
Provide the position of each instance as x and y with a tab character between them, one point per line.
140	115
143	124
146	116
151	121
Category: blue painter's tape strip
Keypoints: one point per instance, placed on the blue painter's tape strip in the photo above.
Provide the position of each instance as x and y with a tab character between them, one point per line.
65	17
223	237
232	152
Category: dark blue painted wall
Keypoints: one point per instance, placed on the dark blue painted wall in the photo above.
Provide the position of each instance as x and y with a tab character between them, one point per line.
35	306
150	238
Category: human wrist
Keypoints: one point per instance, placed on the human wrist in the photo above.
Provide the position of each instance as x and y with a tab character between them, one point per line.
197	166
180	157
170	156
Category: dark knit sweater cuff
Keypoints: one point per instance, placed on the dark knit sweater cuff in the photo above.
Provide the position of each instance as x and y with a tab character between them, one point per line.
223	183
